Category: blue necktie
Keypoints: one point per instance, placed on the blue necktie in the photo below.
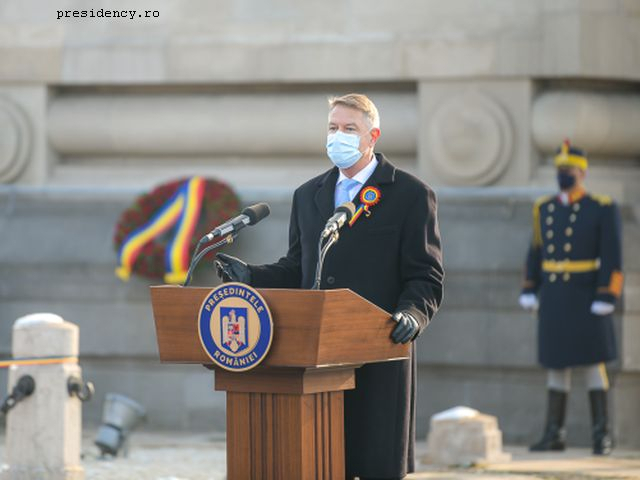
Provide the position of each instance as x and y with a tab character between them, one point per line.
342	190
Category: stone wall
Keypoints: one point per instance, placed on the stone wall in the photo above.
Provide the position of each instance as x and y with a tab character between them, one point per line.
248	41
479	351
471	92
474	97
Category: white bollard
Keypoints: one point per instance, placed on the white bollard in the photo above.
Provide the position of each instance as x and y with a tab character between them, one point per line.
44	430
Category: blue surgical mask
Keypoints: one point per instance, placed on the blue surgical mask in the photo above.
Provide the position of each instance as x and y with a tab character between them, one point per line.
566	181
342	149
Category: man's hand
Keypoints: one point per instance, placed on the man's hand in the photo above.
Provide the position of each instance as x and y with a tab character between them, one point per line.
232	269
602	308
406	329
528	301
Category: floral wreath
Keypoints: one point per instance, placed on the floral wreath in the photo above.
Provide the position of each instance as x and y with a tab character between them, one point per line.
219	203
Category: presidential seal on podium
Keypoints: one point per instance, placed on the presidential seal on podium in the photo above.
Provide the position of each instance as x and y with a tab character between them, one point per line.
235	327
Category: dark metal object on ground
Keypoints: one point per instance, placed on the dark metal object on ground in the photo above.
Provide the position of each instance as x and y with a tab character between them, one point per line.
81	389
120	416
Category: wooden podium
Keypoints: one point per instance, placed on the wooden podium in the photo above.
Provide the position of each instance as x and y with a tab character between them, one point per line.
285	418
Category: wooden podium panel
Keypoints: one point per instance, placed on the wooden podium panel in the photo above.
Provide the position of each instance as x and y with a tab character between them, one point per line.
286	380
285	418
278	437
285	423
312	328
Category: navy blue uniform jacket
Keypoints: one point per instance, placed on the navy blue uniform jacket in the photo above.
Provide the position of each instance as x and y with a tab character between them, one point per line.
574	258
392	258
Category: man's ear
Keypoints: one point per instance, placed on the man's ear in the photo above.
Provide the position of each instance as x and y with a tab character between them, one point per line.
375	134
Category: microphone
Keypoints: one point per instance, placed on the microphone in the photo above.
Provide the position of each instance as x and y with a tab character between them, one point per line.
249	216
342	215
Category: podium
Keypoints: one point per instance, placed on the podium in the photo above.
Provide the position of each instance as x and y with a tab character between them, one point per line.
285	418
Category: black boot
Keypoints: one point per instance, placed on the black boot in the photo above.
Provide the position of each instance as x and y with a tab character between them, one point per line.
554	432
600	422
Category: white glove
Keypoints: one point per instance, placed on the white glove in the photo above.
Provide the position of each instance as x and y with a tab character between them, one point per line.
602	308
528	301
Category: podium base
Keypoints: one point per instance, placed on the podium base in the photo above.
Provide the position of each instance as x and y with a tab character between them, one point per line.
285	436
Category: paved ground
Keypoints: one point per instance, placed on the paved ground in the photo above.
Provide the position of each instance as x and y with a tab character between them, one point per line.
164	456
574	464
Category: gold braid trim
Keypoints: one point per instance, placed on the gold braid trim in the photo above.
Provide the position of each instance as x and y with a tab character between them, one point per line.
602	199
537	232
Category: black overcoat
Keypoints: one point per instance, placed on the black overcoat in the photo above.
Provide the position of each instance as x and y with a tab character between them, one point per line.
392	258
574	259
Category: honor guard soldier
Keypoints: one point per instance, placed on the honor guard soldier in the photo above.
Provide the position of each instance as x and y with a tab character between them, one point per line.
573	278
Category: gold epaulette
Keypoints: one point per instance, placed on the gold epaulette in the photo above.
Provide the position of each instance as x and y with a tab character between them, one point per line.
537	234
602	199
539	201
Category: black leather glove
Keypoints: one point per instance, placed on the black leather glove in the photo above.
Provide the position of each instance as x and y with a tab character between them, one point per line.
406	329
232	269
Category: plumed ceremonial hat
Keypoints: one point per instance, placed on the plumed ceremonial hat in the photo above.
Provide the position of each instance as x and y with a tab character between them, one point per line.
570	156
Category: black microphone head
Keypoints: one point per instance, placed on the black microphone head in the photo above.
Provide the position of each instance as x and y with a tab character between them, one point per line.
256	212
347	207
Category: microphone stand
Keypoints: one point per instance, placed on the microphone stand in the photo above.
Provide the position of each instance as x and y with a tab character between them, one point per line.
322	253
196	258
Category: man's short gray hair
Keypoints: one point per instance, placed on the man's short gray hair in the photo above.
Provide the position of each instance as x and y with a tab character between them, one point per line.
359	102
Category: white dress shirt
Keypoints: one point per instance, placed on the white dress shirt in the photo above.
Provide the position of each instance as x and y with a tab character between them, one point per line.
361	177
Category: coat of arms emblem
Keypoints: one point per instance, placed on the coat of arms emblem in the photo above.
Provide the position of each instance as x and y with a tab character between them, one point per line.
234	328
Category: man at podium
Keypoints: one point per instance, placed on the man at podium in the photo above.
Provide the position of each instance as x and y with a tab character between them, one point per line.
389	253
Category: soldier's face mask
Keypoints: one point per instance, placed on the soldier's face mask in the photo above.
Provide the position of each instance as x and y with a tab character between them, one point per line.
566	181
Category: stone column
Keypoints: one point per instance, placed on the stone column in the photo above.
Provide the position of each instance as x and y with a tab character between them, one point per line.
238	124
44	430
25	156
605	124
475	133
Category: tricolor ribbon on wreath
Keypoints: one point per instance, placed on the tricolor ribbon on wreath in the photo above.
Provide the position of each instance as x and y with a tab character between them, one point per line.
182	210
